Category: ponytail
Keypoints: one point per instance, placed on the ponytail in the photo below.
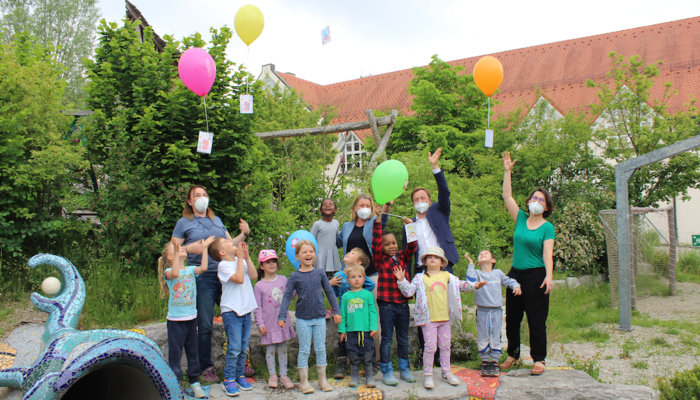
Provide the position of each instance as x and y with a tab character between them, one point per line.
163	264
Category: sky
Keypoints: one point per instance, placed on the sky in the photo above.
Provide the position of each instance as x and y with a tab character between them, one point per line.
380	36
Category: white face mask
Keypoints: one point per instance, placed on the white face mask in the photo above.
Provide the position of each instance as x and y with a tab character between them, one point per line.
201	204
364	213
421	207
536	208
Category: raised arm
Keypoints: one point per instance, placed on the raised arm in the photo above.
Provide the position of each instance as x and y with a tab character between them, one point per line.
471	272
444	204
377	241
245	232
511	205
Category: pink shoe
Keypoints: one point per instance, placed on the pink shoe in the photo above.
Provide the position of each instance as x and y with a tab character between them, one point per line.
272	382
209	375
328	314
286	382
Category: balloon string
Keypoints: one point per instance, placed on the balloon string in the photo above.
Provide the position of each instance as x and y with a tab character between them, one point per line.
488	118
246	75
206	117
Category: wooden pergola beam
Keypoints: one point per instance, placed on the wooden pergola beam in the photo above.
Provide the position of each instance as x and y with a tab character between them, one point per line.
323	130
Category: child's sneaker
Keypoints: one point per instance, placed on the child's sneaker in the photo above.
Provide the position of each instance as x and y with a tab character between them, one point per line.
272	382
230	388
249	372
451	379
428	382
197	390
485	368
243	383
494	368
288	384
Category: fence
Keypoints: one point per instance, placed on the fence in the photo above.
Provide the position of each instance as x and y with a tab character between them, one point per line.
652	251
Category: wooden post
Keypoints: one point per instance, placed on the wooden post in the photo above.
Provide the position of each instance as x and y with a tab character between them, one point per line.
373	126
381	146
323	130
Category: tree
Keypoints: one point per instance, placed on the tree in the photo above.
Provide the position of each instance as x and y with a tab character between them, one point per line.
637	125
444	95
142	140
38	164
68	26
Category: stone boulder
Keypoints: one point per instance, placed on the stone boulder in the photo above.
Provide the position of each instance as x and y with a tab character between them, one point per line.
565	384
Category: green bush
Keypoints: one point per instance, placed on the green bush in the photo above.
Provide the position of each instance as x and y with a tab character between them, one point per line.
580	240
689	262
464	346
682	386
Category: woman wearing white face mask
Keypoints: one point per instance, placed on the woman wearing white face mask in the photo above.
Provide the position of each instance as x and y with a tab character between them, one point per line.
199	222
358	233
533	245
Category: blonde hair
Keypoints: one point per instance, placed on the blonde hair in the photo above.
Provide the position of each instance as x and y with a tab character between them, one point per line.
188	212
163	264
215	247
362	196
355	268
361	257
302	243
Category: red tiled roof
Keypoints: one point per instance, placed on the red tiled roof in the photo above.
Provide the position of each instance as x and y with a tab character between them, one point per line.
559	69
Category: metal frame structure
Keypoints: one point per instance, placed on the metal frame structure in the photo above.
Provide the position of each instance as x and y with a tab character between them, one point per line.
623	174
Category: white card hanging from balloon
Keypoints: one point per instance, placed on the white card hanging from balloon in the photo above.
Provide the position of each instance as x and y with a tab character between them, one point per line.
489	138
326	35
411	232
205	141
246	104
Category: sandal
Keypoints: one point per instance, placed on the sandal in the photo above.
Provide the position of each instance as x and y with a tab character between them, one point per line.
538	369
509	362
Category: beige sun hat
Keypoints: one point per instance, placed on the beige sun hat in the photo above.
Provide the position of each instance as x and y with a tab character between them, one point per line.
434	251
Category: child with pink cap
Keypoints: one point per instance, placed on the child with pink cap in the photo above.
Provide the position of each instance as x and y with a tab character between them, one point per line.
268	294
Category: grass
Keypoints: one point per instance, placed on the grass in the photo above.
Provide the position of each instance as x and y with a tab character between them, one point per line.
574	312
640	365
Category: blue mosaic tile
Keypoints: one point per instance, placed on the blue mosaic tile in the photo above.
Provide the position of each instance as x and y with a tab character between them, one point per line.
51	376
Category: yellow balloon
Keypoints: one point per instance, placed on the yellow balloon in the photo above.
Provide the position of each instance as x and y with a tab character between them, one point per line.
249	23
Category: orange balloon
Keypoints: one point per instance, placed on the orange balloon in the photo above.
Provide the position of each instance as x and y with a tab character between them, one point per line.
488	74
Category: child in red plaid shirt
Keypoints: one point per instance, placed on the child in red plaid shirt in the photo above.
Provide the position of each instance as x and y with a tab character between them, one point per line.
393	306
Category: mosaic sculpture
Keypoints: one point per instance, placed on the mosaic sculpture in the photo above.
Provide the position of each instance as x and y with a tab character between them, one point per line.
70	355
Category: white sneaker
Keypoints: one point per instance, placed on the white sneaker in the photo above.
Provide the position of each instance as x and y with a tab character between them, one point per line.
428	382
451	379
198	391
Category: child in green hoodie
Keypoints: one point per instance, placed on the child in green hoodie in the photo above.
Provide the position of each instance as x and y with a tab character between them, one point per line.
359	325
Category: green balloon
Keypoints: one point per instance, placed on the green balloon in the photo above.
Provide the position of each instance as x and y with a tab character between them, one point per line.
389	180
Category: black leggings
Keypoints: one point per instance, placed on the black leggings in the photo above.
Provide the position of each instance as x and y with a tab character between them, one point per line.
535	304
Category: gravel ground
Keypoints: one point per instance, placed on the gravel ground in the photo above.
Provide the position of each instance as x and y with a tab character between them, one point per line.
653	351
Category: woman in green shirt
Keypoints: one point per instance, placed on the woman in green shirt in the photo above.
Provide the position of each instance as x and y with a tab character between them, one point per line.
533	245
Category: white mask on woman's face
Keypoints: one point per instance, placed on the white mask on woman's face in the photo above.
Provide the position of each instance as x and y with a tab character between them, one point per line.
421	207
201	204
364	213
536	208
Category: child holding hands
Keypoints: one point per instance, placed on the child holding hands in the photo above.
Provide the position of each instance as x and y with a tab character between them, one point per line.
437	304
489	314
177	282
268	294
309	283
236	270
359	320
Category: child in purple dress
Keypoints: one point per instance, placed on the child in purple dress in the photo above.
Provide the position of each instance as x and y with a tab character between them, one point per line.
268	294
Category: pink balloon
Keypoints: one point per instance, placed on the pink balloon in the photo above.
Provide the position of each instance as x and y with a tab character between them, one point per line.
197	70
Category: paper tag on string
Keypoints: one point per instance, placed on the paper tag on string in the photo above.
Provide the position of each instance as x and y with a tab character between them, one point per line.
246	104
411	232
489	138
204	143
326	35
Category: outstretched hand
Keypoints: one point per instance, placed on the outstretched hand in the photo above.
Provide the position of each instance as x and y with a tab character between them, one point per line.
207	242
479	285
469	259
507	163
243	227
400	273
435	157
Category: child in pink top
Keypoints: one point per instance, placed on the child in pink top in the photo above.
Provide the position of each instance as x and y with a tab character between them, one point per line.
268	294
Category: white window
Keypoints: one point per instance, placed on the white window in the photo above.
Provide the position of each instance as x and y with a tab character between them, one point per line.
352	153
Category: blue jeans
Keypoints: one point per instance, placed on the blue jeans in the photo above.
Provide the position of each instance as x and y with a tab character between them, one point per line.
208	294
393	316
308	329
238	334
